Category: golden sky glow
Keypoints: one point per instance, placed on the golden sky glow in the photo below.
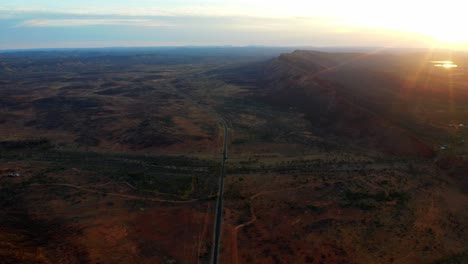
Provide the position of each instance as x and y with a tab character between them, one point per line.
444	21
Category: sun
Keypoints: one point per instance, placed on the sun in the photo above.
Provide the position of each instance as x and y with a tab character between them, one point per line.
445	26
445	31
440	22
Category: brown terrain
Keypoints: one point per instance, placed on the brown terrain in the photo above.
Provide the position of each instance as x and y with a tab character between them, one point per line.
113	157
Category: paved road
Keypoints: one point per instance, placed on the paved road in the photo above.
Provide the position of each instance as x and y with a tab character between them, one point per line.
219	204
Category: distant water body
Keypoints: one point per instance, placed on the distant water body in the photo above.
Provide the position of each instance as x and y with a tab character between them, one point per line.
444	64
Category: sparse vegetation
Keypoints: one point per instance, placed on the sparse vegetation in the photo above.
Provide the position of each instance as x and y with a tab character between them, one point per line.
119	155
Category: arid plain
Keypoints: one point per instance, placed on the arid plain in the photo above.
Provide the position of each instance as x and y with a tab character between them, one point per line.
112	156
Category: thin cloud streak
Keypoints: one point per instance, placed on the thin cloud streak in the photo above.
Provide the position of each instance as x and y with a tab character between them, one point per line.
91	22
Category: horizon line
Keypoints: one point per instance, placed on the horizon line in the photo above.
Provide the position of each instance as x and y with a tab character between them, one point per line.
227	47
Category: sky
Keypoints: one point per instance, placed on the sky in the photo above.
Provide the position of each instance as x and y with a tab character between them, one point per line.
333	23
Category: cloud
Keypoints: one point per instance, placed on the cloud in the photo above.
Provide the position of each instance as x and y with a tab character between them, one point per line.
188	8
132	10
91	22
5	16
